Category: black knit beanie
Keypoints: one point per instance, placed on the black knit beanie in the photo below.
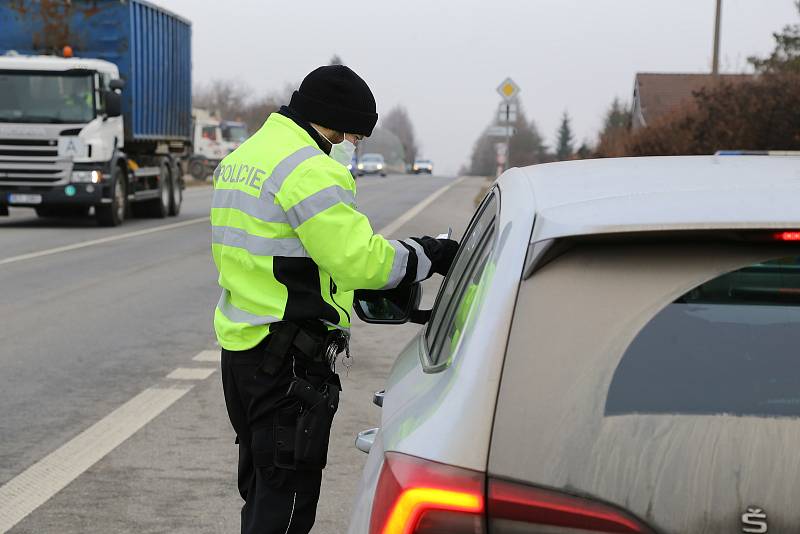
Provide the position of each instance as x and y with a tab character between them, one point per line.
337	98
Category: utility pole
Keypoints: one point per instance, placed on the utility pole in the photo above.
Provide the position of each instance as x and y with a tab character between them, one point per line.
508	136
715	66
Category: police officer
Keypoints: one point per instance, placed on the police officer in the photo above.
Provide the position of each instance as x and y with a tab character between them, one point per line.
291	247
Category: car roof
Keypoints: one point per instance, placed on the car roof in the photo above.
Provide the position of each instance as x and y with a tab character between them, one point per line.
658	194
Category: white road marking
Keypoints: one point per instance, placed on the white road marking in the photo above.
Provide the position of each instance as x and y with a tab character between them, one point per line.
93	242
191	373
208	356
395	225
36	485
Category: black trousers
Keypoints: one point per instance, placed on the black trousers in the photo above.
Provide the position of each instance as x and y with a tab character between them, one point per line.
277	501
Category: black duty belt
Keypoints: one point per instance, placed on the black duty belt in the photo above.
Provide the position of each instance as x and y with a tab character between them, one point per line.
311	342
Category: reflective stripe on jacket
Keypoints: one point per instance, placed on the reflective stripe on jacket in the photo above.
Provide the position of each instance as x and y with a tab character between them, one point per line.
288	241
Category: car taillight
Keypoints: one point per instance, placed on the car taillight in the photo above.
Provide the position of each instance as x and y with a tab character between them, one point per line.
787	236
416	496
511	505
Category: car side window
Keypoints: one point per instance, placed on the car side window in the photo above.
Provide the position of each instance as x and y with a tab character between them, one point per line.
459	290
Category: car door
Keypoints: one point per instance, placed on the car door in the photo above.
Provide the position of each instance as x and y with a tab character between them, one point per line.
441	374
418	368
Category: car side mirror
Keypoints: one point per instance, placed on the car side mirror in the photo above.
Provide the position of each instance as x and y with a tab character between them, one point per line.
391	306
113	104
116	85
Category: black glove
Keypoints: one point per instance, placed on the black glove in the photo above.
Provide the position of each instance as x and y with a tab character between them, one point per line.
441	252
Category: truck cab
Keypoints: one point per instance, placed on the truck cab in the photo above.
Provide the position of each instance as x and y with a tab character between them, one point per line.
208	145
95	115
59	130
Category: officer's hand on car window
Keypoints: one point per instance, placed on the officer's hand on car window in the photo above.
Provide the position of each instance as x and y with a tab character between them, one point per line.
449	248
441	252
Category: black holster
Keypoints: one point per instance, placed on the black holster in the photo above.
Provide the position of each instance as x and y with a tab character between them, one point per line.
302	431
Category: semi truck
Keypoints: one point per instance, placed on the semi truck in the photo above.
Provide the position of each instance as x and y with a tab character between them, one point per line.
96	108
208	144
213	139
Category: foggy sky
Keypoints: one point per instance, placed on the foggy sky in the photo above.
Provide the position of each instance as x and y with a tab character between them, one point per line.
444	59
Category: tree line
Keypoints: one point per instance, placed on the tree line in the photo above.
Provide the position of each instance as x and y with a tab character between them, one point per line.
236	100
760	114
527	146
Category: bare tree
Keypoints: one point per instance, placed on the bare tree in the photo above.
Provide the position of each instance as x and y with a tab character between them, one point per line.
527	148
527	144
336	60
236	101
255	113
483	161
398	122
223	98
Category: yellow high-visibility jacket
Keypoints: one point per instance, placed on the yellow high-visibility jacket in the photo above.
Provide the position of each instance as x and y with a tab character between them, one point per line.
288	241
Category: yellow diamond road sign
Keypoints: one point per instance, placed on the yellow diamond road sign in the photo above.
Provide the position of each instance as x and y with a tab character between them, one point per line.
508	89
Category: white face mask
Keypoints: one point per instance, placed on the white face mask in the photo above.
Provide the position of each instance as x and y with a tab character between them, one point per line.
341	152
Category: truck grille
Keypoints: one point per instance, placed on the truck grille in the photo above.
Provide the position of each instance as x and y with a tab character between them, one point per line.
32	162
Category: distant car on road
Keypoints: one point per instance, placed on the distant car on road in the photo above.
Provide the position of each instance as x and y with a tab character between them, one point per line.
371	164
422	165
613	350
352	166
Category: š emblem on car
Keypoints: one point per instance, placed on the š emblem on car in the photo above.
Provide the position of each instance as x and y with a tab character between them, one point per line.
754	521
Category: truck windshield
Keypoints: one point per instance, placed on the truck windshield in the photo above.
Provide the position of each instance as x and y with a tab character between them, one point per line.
44	97
234	133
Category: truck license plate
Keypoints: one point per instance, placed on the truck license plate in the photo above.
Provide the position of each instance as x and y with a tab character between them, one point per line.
14	198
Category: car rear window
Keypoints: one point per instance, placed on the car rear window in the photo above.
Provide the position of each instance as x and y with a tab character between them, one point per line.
728	346
630	365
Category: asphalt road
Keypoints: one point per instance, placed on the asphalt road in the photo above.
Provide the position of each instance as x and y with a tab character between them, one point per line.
111	411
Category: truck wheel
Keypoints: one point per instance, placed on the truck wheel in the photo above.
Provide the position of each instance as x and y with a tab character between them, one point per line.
158	208
175	190
114	213
198	171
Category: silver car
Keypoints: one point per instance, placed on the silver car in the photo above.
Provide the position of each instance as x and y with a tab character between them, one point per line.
615	349
422	166
371	164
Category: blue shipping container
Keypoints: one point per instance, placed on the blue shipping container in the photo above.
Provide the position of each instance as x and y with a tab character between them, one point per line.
150	46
